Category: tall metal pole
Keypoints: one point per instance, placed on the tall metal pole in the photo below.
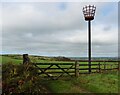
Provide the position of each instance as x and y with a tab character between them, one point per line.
89	12
89	44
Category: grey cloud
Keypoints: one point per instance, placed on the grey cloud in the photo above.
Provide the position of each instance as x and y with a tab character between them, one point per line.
49	29
107	28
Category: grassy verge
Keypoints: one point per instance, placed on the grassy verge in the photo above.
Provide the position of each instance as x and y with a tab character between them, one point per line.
99	83
91	83
63	86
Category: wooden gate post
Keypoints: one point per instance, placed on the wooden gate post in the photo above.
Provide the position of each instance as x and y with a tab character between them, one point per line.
104	66
111	66
76	69
26	59
118	66
99	67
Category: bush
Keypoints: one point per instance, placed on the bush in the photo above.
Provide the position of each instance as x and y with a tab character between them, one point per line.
20	79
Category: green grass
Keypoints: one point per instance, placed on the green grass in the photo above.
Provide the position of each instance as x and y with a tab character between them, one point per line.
90	83
99	83
5	59
63	86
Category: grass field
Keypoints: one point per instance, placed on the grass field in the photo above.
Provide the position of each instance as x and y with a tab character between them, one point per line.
86	83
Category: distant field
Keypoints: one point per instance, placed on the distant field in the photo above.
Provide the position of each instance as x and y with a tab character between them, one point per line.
8	59
18	59
5	59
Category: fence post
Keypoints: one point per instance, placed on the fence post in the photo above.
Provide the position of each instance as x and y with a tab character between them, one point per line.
99	67
26	59
104	66
119	66
76	69
111	66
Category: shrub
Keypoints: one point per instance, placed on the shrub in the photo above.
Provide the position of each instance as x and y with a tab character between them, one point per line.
20	79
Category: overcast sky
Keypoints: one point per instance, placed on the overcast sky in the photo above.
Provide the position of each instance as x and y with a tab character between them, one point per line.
58	29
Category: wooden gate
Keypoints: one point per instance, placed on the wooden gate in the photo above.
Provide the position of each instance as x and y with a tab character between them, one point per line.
57	70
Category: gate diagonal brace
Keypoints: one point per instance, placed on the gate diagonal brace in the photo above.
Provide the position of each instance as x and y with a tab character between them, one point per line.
48	67
64	71
43	71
